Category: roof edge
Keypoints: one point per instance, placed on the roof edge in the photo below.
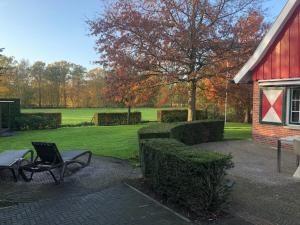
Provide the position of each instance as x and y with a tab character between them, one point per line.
267	41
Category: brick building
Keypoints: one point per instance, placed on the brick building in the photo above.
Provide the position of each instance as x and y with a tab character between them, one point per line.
274	69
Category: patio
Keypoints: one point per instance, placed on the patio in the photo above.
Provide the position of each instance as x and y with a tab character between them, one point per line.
97	195
261	196
93	195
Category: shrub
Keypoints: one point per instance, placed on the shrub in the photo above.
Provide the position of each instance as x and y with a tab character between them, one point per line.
170	116
186	175
197	132
106	119
37	121
189	133
82	124
162	130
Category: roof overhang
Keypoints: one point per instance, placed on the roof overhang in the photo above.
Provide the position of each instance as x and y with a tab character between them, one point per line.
244	75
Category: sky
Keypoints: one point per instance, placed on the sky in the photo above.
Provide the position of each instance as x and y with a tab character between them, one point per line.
53	30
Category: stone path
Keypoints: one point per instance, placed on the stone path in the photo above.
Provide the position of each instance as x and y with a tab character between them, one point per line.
116	205
94	195
261	196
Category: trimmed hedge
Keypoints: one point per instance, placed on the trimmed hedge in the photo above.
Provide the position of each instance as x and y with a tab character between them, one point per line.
107	119
170	116
189	133
198	132
188	176
38	121
184	174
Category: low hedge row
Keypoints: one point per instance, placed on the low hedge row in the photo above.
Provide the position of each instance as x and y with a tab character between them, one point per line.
38	121
182	173
106	119
170	116
198	132
189	133
188	176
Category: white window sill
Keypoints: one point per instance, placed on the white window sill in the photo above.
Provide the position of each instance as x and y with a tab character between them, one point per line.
292	127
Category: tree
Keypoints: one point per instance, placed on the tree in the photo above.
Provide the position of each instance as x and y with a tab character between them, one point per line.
95	79
123	86
38	71
77	73
58	74
185	40
7	70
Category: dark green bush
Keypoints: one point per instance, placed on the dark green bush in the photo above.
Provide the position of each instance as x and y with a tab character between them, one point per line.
106	119
170	116
189	133
186	175
38	121
162	130
82	124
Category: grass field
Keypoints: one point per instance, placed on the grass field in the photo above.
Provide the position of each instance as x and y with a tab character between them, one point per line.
237	131
74	116
115	141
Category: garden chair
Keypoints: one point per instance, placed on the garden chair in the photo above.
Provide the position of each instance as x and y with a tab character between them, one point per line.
12	159
49	158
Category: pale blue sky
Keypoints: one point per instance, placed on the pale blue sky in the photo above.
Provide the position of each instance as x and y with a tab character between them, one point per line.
51	30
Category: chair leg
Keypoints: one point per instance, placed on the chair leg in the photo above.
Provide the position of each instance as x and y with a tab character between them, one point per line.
62	173
53	176
14	174
23	175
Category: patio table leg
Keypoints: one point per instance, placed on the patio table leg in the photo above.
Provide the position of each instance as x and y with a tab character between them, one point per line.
279	156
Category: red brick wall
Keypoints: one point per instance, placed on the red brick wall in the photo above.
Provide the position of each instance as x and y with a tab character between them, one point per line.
265	133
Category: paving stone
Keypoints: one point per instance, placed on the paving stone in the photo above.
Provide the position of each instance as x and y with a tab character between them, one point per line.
94	195
261	195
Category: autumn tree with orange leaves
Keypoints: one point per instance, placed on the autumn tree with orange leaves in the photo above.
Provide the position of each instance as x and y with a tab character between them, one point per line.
181	40
249	31
125	87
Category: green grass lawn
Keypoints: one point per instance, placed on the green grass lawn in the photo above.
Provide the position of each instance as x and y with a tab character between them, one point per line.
78	115
115	141
237	131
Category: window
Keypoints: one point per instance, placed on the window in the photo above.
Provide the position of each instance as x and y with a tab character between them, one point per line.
295	105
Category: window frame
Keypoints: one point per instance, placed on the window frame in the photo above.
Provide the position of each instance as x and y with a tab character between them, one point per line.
290	105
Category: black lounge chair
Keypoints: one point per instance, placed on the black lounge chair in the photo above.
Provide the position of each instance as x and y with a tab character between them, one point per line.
49	158
12	159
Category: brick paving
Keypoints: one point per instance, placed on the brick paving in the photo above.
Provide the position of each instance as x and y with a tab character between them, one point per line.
97	195
94	195
261	196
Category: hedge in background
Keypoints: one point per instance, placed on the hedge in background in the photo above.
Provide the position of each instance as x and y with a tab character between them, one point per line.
186	175
189	133
106	119
170	116
38	121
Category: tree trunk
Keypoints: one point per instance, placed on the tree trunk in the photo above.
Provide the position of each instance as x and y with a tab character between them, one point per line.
128	114
247	115
40	96
192	101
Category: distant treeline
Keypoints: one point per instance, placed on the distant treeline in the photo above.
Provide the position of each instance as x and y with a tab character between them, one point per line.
63	84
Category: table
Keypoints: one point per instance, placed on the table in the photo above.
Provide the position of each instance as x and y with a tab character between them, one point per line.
285	140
